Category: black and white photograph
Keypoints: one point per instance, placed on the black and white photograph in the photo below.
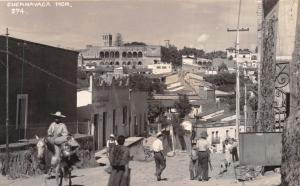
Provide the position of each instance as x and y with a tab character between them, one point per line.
149	93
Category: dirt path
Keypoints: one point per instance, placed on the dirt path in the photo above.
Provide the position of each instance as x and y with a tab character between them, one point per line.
143	175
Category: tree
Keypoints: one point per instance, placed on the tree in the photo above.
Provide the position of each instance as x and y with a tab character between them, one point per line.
183	106
192	51
222	68
119	40
154	111
171	55
143	83
135	43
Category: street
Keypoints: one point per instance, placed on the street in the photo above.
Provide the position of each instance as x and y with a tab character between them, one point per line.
142	174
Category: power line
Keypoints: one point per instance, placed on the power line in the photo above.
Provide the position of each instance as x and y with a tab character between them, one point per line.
41	69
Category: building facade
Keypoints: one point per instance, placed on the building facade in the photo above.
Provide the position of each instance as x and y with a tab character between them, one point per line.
117	110
139	56
42	80
246	58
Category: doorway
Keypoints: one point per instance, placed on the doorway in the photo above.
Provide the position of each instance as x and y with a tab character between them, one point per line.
96	135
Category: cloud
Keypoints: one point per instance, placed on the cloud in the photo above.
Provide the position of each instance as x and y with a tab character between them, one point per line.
202	38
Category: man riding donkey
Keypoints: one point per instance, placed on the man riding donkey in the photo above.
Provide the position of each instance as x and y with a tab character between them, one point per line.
65	146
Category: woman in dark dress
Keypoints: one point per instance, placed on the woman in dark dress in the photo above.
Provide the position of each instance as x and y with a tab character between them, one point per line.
119	159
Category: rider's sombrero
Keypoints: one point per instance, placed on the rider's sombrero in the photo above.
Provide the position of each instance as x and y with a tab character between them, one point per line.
58	114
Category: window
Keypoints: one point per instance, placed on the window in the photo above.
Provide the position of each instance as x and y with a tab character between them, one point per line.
164	67
227	134
124	54
134	54
158	67
21	117
139	63
244	56
106	55
135	126
124	115
117	54
140	54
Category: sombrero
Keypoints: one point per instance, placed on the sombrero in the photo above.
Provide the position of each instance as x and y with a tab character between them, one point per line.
58	114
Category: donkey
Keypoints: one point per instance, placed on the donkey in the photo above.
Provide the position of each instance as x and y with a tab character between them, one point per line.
59	163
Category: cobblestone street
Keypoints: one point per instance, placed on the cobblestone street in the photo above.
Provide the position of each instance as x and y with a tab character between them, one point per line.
143	175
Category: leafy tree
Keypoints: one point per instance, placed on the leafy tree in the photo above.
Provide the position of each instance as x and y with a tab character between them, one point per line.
183	106
119	40
192	51
171	55
143	83
215	54
154	111
135	43
222	68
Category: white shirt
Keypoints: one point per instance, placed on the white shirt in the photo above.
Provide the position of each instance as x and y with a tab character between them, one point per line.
187	125
157	145
202	145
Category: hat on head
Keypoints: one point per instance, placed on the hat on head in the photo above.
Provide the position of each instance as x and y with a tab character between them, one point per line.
203	134
158	134
58	114
112	136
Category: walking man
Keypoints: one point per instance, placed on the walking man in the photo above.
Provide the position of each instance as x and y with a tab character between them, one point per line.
160	160
187	127
203	152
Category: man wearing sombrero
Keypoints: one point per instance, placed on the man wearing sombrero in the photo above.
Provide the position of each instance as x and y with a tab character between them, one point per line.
57	132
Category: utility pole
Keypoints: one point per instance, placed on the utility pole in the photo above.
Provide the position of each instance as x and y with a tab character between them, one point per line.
7	98
237	48
245	109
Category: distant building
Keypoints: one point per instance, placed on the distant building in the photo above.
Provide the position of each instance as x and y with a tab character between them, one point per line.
247	58
130	56
126	56
161	68
193	64
45	82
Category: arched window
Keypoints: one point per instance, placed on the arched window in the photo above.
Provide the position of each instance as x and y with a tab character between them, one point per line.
204	63
106	55
140	63
106	63
124	54
101	54
129	63
140	54
155	61
112	54
134	54
117	63
117	54
129	54
200	63
111	63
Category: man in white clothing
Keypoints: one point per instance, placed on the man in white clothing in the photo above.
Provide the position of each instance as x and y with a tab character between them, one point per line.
187	126
160	160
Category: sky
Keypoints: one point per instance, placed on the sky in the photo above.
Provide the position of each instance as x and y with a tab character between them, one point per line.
192	23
